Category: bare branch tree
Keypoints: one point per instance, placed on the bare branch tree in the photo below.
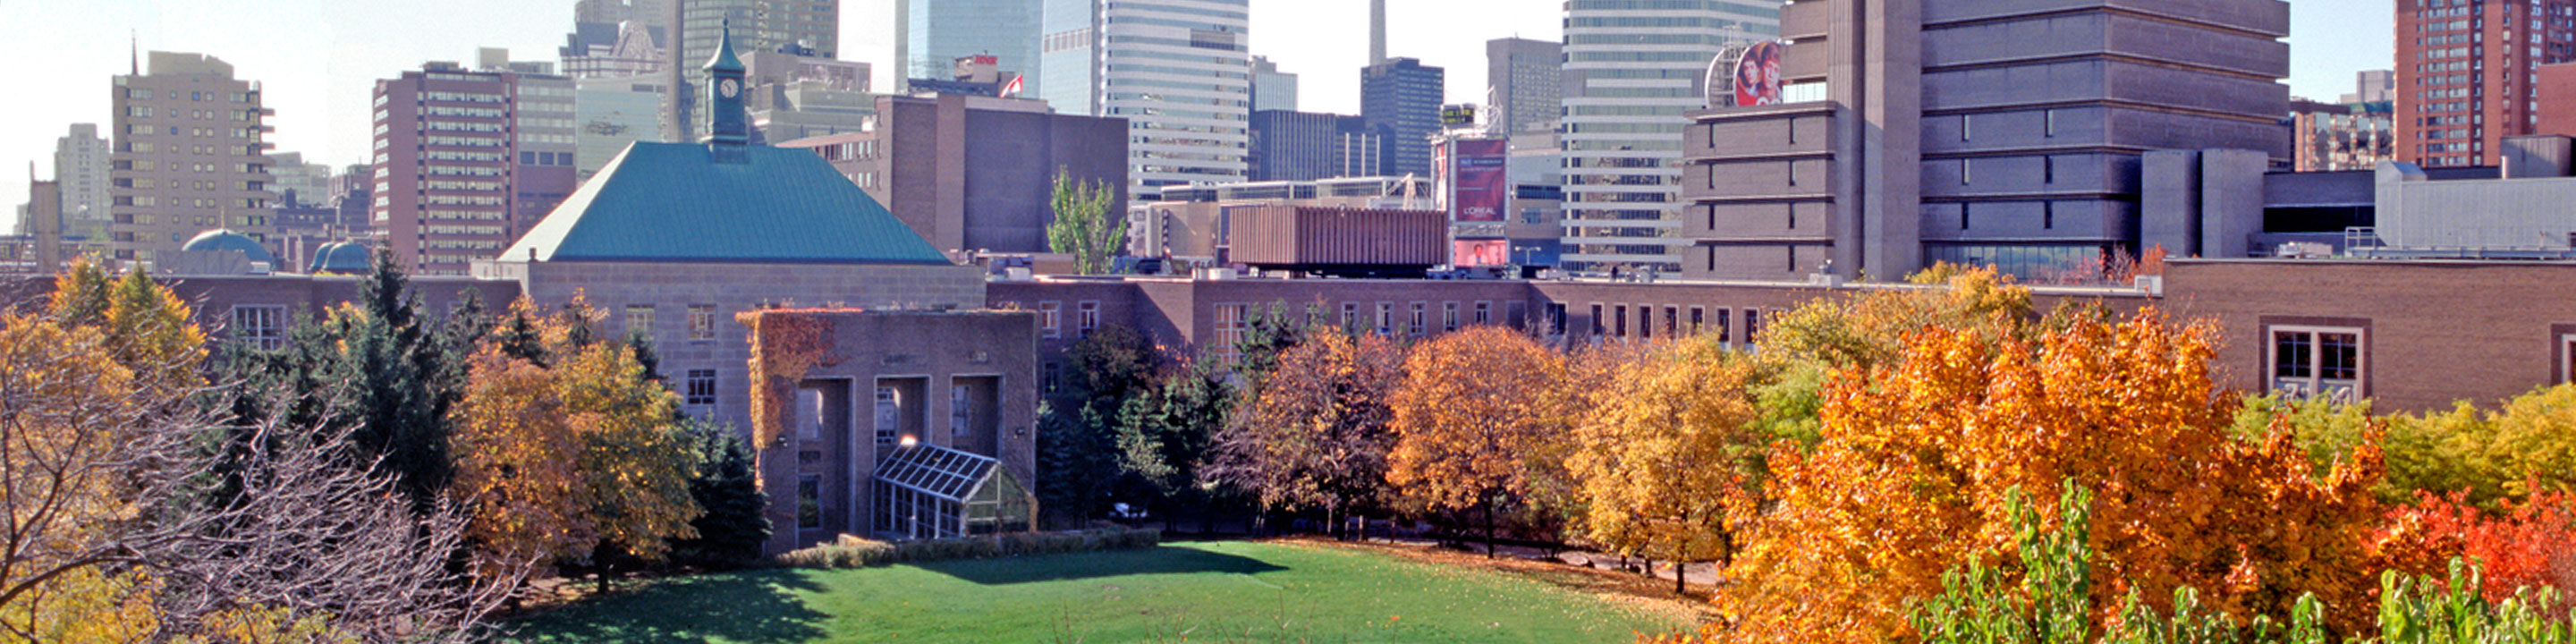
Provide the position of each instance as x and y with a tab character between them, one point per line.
116	470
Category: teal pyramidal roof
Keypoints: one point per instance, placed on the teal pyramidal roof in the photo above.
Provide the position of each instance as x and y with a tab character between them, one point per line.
674	202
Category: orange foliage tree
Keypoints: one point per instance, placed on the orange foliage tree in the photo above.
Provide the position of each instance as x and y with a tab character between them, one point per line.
569	452
2530	544
1917	452
1667	454
1482	418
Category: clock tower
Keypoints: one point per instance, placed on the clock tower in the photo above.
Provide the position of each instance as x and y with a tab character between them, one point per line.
726	126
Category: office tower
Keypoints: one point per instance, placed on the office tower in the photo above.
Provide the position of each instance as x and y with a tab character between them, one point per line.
1924	147
2333	137
190	155
792	97
469	158
1401	99
2373	86
930	35
288	174
1177	70
603	50
614	111
1272	89
40	223
2468	80
1632	69
1306	146
971	172
804	27
1525	91
81	161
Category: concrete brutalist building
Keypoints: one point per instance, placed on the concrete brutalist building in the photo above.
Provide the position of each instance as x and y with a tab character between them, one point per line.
2009	133
974	172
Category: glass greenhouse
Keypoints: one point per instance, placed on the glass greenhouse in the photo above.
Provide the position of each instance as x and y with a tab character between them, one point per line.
925	491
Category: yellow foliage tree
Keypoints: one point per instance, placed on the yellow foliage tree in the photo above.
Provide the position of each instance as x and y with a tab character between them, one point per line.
1665	456
1482	417
561	459
1916	455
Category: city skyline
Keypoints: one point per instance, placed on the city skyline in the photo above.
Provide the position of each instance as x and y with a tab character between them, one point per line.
317	61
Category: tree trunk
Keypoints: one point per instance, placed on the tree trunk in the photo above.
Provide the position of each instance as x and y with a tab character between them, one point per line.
1680	573
1489	528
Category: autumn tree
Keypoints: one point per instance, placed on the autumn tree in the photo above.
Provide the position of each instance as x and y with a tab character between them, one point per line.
1087	225
116	533
576	454
1870	327
1673	457
1482	419
2527	544
1916	452
1315	434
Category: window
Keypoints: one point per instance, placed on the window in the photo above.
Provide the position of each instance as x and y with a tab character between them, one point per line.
1048	314
1484	313
1645	321
2566	358
639	319
1599	323
702	322
1086	317
701	387
1421	320
961	413
1724	336
889	420
1386	318
1049	377
1752	327
1698	319
1229	330
260	327
809	501
1672	321
1619	321
2317	361
1449	316
1350	315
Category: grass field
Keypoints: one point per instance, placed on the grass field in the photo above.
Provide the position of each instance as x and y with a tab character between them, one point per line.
1198	592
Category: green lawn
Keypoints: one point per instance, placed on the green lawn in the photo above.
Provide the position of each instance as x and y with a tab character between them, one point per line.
1199	592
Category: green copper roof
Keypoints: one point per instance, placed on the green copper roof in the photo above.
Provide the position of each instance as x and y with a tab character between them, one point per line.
345	258
224	239
724	59
673	202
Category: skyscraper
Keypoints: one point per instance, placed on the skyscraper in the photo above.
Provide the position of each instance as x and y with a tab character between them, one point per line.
1921	148
468	160
1179	71
930	35
2466	82
191	155
1306	146
81	161
1632	69
810	27
1401	99
1525	90
1272	89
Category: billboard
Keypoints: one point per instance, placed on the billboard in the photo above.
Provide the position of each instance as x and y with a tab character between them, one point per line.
1480	252
1457	116
1757	76
1480	183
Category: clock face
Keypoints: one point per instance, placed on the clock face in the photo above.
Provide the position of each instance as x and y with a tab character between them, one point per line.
729	88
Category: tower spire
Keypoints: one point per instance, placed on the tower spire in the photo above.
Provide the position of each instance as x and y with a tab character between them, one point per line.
727	127
1377	31
134	39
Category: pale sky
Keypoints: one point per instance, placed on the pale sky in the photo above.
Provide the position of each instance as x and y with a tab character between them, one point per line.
318	60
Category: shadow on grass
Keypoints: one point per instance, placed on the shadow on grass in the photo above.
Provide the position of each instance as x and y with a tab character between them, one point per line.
741	607
1158	560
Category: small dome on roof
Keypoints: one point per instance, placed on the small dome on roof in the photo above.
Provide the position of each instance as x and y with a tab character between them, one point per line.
223	239
347	258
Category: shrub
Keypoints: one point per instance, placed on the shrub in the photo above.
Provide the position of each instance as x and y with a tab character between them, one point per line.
853	552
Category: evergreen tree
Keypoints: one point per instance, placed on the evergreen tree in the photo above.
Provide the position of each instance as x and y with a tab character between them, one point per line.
727	486
405	383
1078	468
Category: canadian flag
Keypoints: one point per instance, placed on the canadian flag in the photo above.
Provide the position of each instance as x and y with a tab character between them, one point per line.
1013	89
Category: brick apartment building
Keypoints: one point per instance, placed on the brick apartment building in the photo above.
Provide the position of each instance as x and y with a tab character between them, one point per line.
2468	75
